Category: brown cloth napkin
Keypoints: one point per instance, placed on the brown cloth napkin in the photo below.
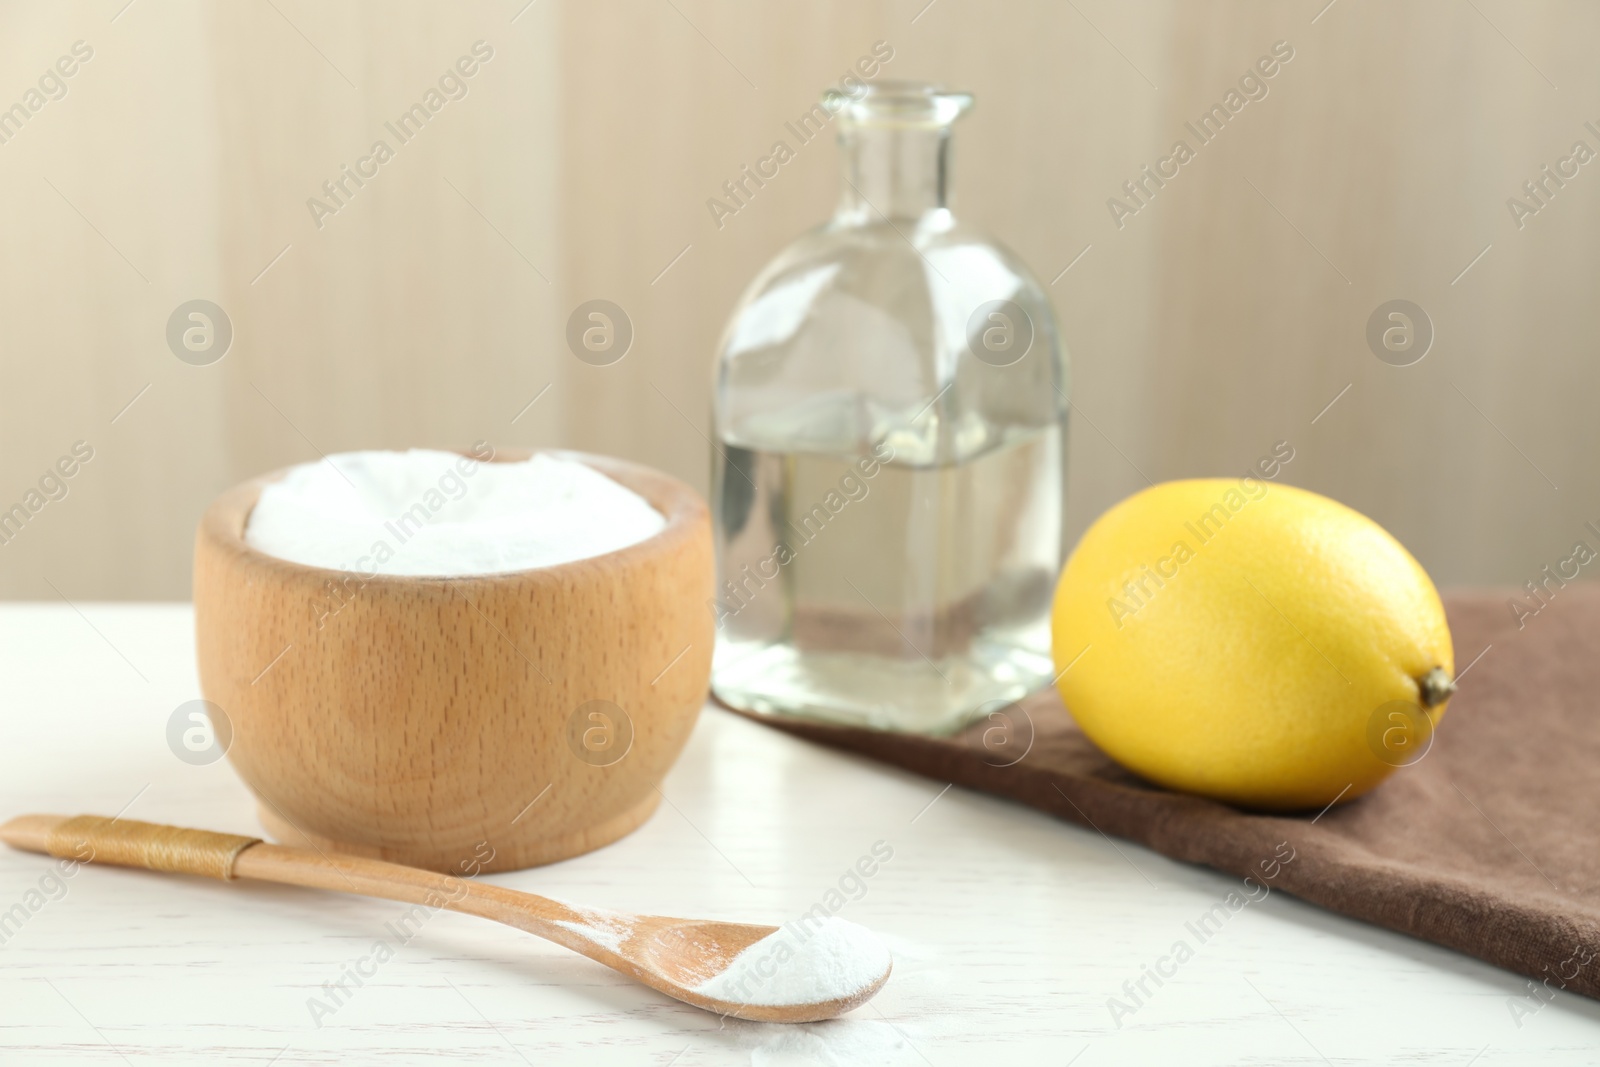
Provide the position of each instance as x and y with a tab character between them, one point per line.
1489	844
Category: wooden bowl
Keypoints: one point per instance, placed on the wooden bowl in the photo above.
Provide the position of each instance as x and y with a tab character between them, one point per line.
488	722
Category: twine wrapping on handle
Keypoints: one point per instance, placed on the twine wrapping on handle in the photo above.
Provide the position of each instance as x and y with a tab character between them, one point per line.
126	843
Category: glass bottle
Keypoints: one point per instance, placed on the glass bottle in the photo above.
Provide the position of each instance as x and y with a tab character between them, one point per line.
888	473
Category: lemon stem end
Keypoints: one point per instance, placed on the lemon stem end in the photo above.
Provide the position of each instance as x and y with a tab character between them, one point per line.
1435	687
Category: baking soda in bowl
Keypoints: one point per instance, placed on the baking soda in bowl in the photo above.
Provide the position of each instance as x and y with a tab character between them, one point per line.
829	961
428	513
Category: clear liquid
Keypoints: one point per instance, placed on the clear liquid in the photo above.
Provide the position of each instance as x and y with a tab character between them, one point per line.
896	594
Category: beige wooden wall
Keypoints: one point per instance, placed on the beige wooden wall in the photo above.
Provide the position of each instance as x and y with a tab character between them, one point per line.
1220	319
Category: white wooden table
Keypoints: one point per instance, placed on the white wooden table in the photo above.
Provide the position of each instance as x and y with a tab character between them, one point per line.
1010	930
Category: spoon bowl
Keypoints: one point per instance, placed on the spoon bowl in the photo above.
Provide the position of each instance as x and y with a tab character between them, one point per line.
686	953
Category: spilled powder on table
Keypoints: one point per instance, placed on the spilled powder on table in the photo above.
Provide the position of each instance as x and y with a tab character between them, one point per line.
835	1043
801	964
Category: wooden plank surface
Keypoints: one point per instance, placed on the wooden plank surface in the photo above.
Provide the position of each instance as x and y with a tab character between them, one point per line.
1010	929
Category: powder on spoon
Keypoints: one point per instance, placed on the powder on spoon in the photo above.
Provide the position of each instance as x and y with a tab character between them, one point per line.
424	512
802	965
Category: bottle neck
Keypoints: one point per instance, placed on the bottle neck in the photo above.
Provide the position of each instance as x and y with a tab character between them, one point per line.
898	172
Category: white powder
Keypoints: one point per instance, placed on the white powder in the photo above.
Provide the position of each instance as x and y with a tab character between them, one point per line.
610	937
608	928
835	1043
437	513
802	963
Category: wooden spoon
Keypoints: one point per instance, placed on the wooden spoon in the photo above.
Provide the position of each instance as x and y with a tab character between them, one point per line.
670	955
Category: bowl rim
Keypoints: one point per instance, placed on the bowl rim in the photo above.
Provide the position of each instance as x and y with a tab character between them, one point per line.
683	510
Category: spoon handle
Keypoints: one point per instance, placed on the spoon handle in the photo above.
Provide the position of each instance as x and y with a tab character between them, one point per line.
129	843
126	843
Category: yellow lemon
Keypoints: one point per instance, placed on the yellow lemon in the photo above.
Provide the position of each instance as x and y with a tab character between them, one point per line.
1251	642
